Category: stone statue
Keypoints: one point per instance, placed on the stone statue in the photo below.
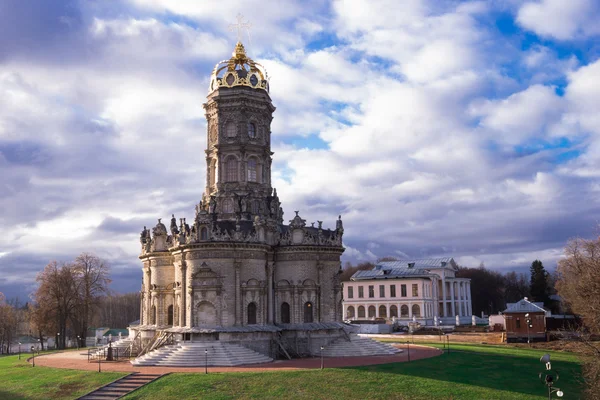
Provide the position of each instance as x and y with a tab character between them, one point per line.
473	320
144	235
244	204
174	230
212	205
339	225
457	321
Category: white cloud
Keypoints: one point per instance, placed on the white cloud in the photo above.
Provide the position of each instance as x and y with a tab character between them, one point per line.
561	19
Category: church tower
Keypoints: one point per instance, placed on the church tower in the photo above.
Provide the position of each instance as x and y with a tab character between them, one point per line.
239	112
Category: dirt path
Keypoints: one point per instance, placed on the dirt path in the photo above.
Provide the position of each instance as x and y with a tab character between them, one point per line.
78	360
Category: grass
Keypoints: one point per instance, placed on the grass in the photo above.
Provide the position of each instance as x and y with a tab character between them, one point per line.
468	372
19	380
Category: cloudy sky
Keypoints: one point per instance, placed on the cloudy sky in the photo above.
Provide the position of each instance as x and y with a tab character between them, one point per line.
436	128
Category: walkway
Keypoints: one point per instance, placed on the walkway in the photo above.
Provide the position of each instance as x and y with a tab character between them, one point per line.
78	360
121	387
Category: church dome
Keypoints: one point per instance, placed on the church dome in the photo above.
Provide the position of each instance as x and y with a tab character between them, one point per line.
239	70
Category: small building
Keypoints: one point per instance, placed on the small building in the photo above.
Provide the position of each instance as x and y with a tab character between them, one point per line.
516	317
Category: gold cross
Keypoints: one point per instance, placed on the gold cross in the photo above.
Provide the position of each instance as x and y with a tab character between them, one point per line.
239	26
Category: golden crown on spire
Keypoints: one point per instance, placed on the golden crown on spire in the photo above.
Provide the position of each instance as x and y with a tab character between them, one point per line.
239	70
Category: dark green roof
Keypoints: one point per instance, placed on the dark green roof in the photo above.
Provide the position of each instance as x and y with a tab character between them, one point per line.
115	332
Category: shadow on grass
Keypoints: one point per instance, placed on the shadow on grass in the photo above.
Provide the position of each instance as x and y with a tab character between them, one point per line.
10	396
513	373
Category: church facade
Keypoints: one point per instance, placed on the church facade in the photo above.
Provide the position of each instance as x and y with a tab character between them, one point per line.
237	270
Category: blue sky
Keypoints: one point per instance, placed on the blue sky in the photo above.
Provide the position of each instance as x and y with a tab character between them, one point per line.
436	128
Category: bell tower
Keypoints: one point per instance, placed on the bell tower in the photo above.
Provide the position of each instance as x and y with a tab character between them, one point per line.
239	112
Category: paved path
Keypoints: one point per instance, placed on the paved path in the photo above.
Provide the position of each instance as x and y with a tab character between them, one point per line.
121	387
78	360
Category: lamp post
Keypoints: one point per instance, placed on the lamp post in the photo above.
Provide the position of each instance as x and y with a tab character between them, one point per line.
528	322
33	358
78	339
19	350
206	361
57	340
38	347
322	348
408	350
549	377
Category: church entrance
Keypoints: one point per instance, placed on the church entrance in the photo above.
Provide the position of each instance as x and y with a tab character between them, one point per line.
308	312
206	315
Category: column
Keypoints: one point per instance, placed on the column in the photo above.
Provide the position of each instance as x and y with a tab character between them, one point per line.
376	310
238	295
182	291
270	266
452	298
148	318
469	305
443	297
189	297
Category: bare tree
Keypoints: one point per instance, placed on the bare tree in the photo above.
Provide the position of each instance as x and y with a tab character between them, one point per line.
579	285
91	279
8	323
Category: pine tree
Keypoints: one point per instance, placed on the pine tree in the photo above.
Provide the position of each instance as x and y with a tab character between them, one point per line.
538	285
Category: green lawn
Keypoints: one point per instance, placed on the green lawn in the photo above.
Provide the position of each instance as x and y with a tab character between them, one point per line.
469	372
19	380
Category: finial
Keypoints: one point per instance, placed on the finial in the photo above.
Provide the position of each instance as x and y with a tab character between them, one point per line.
239	26
297	213
159	220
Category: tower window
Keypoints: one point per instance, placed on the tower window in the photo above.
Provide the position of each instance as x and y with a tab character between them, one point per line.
227	206
251	130
252	170
231	168
230	130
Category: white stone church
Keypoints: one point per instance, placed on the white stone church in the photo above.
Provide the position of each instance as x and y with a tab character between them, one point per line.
236	274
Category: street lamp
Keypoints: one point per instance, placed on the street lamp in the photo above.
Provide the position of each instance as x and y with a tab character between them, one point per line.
322	348
33	358
408	350
57	340
549	378
528	322
78	339
206	361
19	350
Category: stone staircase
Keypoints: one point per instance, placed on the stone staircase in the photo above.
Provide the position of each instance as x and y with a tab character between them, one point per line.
121	387
122	345
191	354
358	346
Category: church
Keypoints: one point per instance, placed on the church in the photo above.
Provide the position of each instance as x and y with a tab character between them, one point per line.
237	272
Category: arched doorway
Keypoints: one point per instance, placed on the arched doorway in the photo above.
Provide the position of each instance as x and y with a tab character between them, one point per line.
361	311
350	312
206	314
308	312
416	310
404	311
382	311
393	311
170	315
371	311
252	313
285	313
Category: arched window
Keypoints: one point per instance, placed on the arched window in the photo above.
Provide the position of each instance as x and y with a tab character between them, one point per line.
252	170
308	312
404	311
231	169
153	315
382	311
393	311
252	313
285	313
416	310
170	315
361	311
230	130
371	311
228	206
251	130
254	207
204	233
212	172
350	312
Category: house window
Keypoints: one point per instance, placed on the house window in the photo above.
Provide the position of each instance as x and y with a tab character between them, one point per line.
393	291
350	292
252	170
415	290
371	291
230	130
403	290
361	292
232	170
251	130
381	290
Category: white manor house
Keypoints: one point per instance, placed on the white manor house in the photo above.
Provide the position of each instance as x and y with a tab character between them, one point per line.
421	290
